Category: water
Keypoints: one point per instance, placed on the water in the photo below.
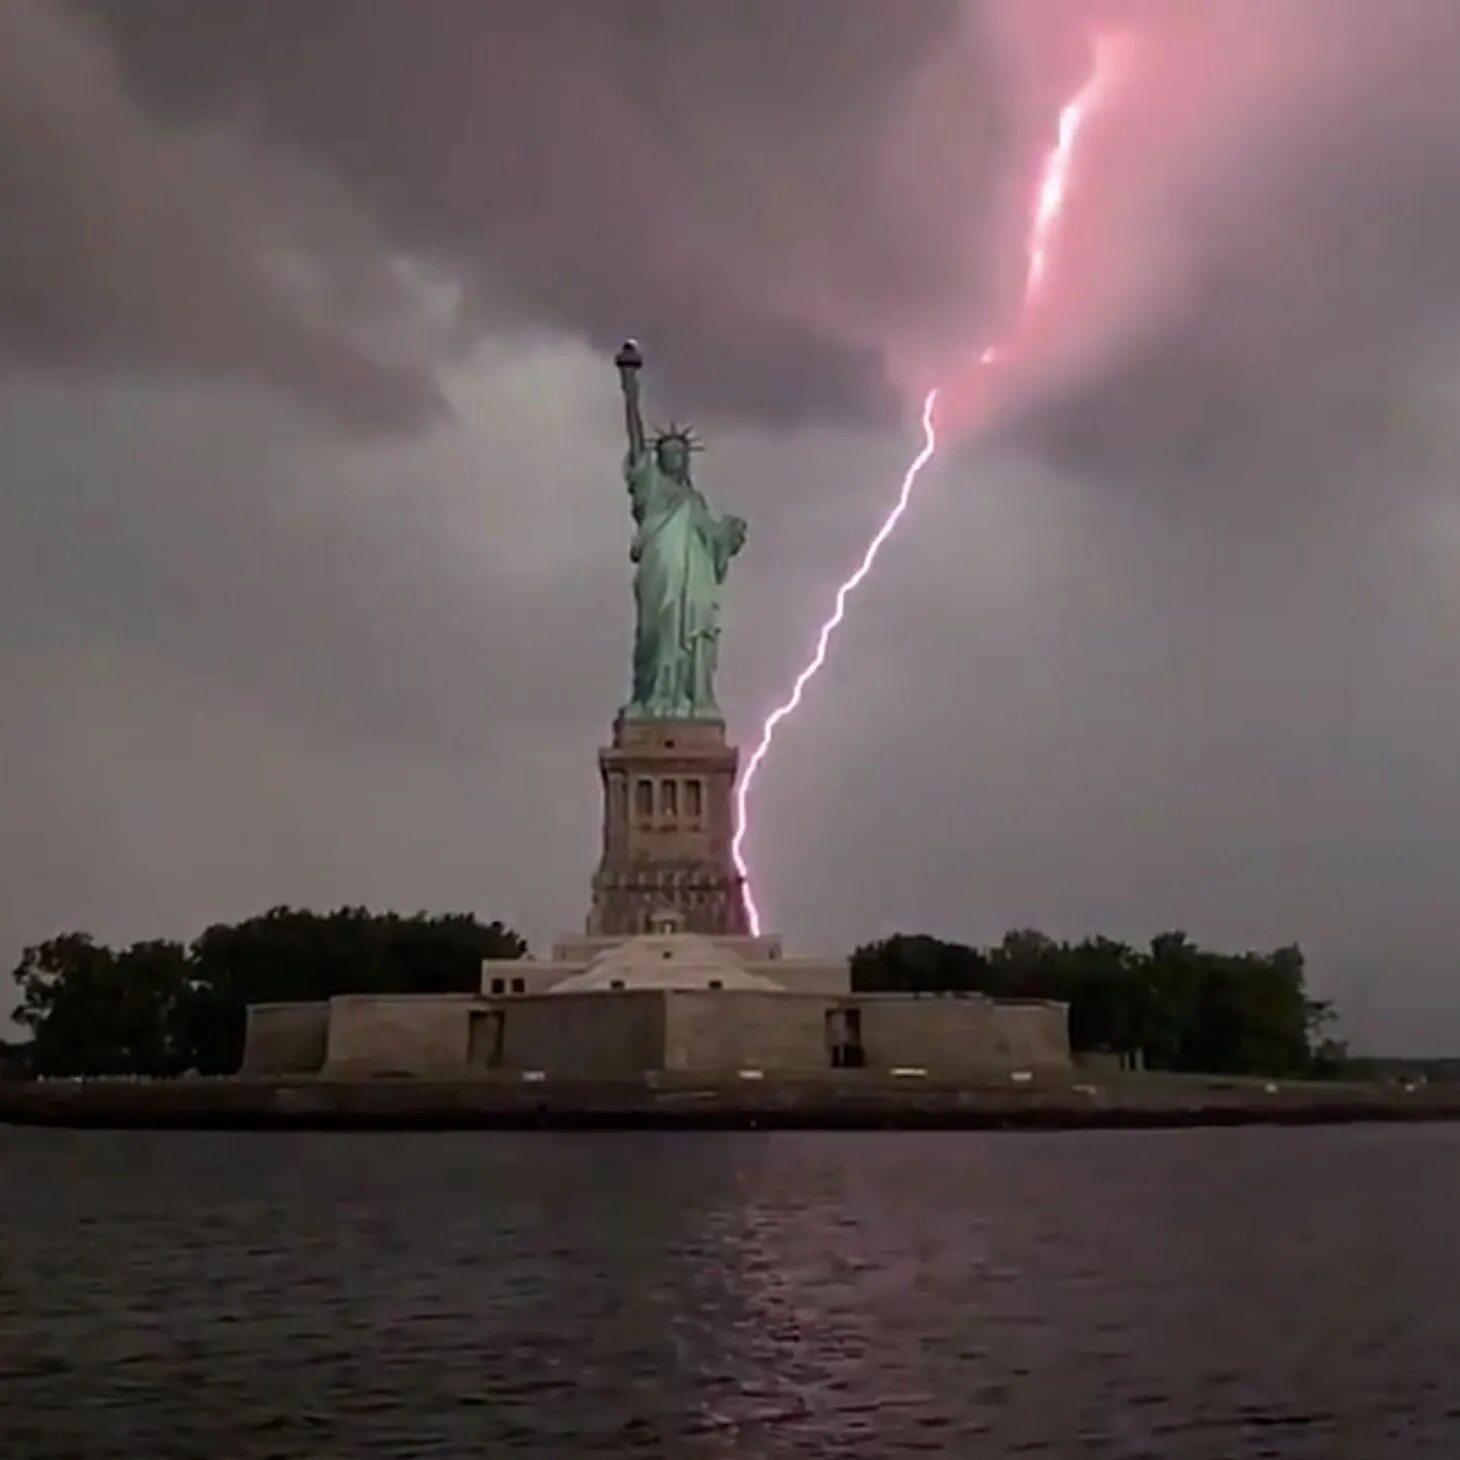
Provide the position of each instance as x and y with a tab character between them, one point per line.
1221	1294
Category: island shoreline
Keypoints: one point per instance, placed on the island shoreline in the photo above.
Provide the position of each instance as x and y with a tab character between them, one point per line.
1151	1103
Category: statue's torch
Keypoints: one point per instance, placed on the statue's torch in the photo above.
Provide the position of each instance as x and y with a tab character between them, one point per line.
630	361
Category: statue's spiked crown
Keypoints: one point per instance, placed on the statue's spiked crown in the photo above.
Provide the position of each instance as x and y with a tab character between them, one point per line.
683	434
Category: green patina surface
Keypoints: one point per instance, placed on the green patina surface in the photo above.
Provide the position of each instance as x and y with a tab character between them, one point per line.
682	552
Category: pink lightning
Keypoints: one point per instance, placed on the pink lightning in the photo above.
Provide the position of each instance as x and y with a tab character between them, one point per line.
1054	184
1048	208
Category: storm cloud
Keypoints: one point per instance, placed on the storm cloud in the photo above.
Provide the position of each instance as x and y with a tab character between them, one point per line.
810	209
312	584
129	245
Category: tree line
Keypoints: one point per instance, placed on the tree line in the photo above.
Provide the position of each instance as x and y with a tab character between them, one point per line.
1172	1005
161	1008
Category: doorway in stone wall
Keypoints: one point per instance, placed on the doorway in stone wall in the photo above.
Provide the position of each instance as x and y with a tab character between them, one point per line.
844	1038
485	1031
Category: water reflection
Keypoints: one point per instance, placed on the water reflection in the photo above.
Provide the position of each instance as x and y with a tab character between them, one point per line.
1194	1294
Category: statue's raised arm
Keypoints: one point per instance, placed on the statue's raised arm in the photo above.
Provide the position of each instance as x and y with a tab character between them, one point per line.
630	361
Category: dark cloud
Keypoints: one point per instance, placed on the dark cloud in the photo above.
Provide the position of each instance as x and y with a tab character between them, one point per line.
129	245
699	176
805	210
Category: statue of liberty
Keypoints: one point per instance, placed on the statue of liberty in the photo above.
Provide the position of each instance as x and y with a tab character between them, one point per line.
683	553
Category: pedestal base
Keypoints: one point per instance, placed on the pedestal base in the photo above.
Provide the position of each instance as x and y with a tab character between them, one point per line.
668	820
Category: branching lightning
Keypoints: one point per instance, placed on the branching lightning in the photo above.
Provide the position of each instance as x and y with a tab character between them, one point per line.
1044	224
823	642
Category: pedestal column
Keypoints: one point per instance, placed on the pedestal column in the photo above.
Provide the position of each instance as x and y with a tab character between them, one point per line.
668	820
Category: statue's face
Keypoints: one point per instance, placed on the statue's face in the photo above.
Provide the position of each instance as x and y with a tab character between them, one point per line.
673	456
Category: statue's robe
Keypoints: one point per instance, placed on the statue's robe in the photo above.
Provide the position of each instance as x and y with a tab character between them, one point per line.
683	552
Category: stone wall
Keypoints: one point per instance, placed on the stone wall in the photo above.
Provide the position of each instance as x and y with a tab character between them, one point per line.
948	1037
1038	1032
399	1034
716	1032
569	1036
285	1039
590	1036
620	1035
809	975
955	1036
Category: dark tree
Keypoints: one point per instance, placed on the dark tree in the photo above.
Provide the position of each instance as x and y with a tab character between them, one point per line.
288	954
1180	1006
160	1009
15	1060
95	1012
918	963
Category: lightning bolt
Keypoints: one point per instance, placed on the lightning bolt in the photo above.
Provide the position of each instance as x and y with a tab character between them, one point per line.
1048	209
1055	181
823	643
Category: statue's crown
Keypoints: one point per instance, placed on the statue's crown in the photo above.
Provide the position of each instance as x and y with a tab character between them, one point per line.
683	434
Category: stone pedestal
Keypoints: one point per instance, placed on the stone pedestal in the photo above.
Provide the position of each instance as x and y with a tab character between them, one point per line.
668	820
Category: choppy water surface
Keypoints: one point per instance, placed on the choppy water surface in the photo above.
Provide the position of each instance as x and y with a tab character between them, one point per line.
1186	1294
